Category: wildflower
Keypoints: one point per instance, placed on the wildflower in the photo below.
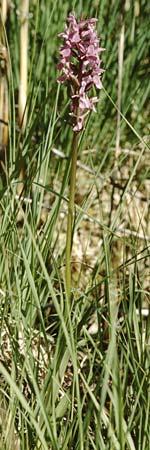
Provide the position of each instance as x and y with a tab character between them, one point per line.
80	66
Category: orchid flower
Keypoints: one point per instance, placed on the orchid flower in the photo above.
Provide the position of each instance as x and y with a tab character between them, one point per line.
80	65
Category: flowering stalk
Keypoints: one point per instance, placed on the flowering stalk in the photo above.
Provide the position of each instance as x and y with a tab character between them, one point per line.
80	67
70	213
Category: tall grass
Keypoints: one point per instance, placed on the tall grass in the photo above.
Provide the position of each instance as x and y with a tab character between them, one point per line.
77	382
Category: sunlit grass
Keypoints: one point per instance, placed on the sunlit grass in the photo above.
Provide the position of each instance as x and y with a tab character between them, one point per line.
77	382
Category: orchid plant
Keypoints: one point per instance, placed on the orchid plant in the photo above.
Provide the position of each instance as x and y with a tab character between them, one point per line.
80	66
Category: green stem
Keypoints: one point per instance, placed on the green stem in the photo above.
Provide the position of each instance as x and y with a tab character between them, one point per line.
71	214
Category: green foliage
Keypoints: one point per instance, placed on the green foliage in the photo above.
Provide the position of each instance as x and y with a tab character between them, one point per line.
79	381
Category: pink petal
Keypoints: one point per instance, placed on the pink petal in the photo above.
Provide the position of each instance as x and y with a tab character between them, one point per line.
79	125
97	82
65	52
75	37
91	50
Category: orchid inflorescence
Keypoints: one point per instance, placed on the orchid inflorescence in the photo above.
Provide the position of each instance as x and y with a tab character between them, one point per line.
80	65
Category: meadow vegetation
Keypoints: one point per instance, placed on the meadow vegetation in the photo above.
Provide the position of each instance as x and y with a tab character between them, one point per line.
77	379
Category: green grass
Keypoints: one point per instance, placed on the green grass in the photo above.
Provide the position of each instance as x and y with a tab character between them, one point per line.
77	381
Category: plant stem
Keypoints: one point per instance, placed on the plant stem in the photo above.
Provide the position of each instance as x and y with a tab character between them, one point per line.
70	214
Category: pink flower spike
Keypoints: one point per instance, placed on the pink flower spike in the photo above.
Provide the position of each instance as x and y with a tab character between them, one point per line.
80	66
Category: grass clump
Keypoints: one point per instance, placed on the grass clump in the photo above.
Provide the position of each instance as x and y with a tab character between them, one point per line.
77	381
